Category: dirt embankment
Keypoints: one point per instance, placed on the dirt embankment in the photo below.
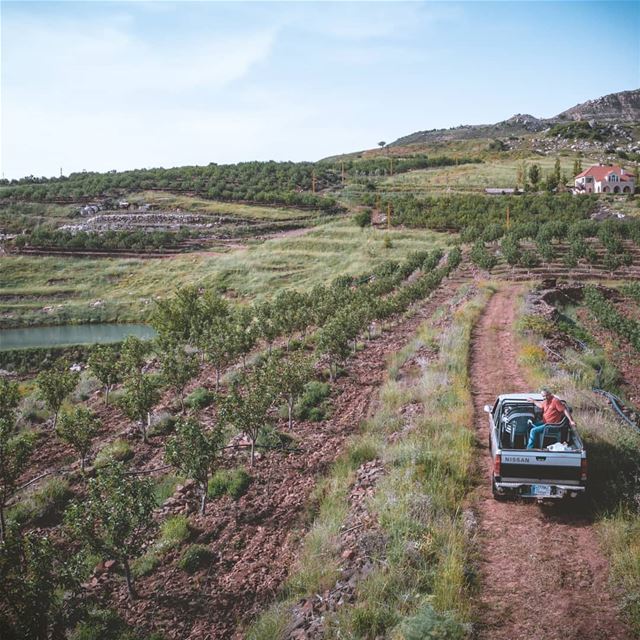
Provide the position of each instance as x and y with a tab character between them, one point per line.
542	573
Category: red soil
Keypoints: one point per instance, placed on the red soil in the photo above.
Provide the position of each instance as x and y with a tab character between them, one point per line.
542	573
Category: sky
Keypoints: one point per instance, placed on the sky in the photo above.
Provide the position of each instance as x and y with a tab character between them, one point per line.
102	86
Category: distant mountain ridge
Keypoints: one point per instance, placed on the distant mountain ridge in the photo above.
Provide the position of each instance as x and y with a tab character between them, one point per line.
622	107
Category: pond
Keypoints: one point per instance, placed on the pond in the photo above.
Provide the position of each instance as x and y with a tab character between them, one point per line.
71	334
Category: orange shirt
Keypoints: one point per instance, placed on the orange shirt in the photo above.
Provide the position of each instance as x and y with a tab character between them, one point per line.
552	410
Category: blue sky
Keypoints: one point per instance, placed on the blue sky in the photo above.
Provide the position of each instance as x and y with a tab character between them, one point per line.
117	85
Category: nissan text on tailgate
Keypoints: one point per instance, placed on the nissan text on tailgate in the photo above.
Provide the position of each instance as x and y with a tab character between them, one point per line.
555	468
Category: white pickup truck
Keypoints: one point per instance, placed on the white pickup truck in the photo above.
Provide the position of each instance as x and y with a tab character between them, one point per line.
555	468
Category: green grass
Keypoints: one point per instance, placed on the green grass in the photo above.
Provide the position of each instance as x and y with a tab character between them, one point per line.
496	173
165	487
195	557
118	451
173	532
424	569
169	201
231	482
43	505
128	287
613	493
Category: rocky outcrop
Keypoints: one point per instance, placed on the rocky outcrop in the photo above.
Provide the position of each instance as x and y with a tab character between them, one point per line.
623	107
620	107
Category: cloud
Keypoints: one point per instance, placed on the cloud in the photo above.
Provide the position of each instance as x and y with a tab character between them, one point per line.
79	60
365	21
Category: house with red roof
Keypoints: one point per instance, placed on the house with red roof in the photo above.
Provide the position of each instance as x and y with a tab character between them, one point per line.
604	178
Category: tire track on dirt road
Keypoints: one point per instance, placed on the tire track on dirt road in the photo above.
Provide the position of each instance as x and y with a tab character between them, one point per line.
542	573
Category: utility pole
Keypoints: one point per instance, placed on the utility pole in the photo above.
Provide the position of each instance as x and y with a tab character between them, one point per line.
342	172
388	216
391	163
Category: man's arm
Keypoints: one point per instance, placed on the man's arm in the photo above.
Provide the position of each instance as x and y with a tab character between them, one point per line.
536	402
572	422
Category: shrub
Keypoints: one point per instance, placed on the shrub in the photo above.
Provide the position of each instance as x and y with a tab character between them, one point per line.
118	451
428	623
233	482
43	505
146	564
370	621
533	355
200	398
537	325
363	218
173	531
312	405
102	624
165	487
272	438
162	425
362	452
87	385
195	557
33	410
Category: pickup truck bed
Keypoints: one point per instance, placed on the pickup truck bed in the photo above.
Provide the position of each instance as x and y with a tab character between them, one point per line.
556	470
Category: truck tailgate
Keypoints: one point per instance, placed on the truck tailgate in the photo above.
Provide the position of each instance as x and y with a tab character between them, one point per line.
545	466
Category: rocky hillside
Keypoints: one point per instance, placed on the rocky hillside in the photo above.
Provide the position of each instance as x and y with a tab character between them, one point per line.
622	107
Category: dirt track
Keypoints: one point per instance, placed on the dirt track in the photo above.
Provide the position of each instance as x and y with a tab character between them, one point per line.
542	574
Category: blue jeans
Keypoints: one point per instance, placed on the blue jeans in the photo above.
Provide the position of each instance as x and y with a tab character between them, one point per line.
537	429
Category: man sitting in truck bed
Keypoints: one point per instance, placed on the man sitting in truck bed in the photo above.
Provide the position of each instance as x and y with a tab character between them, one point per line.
553	412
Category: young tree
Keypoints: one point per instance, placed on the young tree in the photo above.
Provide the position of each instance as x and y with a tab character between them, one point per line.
9	399
267	321
55	385
15	450
557	171
333	340
173	318
103	362
246	408
521	175
78	427
382	143
194	452
219	344
534	175
289	376
31	584
244	332
133	356
211	308
178	367
114	519
140	394
363	218
289	308
577	167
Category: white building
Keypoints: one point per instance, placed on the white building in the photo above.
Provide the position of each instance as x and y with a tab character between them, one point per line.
604	179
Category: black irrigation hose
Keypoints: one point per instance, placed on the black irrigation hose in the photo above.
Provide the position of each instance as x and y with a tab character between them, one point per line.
617	404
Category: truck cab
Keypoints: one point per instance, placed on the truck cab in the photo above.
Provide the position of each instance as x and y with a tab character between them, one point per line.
555	468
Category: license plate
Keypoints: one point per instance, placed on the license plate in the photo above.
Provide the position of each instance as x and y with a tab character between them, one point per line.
540	490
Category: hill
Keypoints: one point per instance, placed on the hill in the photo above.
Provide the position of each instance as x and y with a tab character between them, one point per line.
621	108
616	107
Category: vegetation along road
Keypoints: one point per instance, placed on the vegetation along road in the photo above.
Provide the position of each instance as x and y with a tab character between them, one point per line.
542	573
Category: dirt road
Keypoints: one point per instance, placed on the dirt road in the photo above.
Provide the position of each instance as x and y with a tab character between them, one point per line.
542	573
